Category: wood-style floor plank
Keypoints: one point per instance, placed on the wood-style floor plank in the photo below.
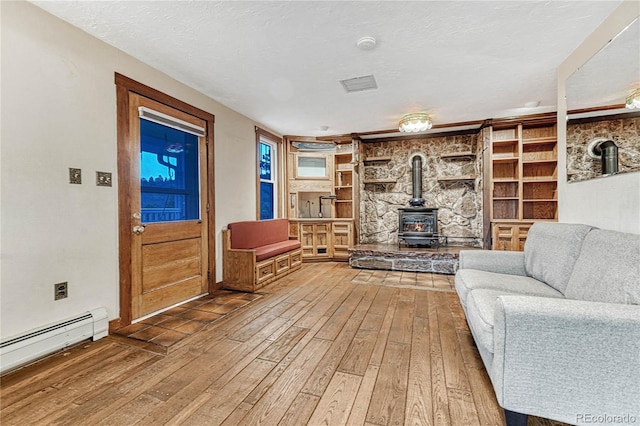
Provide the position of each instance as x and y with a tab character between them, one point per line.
324	345
387	406
335	405
419	410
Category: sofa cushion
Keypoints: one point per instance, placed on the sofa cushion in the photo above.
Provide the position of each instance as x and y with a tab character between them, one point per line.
257	233
270	250
608	269
469	279
551	251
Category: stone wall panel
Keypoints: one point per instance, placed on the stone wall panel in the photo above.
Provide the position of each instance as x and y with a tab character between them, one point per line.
459	203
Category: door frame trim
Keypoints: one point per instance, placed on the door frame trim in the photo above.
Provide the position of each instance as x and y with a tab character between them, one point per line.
124	86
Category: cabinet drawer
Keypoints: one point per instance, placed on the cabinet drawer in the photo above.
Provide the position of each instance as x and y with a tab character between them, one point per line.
295	258
282	264
265	270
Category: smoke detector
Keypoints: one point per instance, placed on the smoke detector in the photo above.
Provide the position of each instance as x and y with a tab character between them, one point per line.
366	43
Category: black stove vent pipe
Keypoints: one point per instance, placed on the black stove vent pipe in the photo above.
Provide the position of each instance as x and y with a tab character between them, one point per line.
416	180
609	152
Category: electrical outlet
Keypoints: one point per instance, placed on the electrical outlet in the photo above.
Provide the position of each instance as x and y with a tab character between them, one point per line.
60	291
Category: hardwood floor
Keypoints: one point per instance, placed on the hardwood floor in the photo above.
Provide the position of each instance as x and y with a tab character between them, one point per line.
316	349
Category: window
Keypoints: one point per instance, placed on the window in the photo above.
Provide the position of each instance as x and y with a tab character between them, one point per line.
169	174
268	167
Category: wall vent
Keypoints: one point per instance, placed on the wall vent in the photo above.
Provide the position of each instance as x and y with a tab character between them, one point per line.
358	84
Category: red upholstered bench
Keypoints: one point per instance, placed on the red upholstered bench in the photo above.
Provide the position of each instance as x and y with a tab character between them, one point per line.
258	252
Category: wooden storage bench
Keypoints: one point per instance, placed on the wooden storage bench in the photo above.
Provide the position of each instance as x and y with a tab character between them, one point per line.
258	252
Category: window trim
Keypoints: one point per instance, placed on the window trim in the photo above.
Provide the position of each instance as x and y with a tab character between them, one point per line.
262	134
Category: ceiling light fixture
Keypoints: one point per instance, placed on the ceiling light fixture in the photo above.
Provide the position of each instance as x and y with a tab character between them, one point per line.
633	100
366	43
416	122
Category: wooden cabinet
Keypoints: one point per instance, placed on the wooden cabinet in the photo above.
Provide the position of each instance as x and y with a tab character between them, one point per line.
323	239
523	173
342	239
315	239
509	236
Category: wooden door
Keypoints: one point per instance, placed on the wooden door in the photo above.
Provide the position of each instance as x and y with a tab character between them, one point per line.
168	206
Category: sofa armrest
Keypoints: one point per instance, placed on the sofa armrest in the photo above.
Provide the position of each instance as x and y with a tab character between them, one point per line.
566	359
503	262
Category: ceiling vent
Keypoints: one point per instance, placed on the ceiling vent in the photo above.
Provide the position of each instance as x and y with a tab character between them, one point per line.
359	84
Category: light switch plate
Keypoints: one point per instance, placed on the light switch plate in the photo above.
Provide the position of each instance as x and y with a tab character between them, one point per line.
103	178
75	176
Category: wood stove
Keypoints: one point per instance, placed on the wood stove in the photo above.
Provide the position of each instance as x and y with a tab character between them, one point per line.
418	226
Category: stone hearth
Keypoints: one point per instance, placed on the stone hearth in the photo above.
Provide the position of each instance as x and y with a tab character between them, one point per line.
392	258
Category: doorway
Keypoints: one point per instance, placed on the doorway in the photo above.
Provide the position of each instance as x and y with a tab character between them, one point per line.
165	178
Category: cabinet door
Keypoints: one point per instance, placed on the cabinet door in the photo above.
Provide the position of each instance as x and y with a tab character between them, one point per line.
342	240
321	239
509	236
315	239
306	239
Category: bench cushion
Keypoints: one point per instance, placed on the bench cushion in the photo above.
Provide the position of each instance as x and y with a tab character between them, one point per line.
271	250
257	233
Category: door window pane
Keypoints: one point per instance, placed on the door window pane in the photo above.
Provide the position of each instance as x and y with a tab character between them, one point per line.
169	175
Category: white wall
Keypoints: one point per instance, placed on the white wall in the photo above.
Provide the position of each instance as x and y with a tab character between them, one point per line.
610	202
59	111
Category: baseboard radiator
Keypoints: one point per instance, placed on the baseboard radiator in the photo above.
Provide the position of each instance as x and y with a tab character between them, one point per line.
37	343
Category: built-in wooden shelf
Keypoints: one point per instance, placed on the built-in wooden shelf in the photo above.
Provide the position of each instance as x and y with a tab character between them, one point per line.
374	159
542	179
380	181
505	141
540	141
464	155
506	160
522	181
551	161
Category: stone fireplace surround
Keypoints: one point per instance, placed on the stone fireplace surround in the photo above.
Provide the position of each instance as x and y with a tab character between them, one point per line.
459	203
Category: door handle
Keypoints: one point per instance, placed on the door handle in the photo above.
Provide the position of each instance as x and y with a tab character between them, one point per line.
138	229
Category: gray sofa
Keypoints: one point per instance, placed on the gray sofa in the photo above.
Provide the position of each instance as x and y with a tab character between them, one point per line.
558	325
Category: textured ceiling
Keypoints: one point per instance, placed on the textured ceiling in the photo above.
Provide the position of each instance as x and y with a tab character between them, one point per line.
280	63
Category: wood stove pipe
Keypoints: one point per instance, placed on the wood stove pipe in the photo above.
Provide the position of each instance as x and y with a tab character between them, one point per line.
416	181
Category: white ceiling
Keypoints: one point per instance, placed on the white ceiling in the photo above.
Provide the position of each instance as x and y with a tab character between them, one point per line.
280	63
